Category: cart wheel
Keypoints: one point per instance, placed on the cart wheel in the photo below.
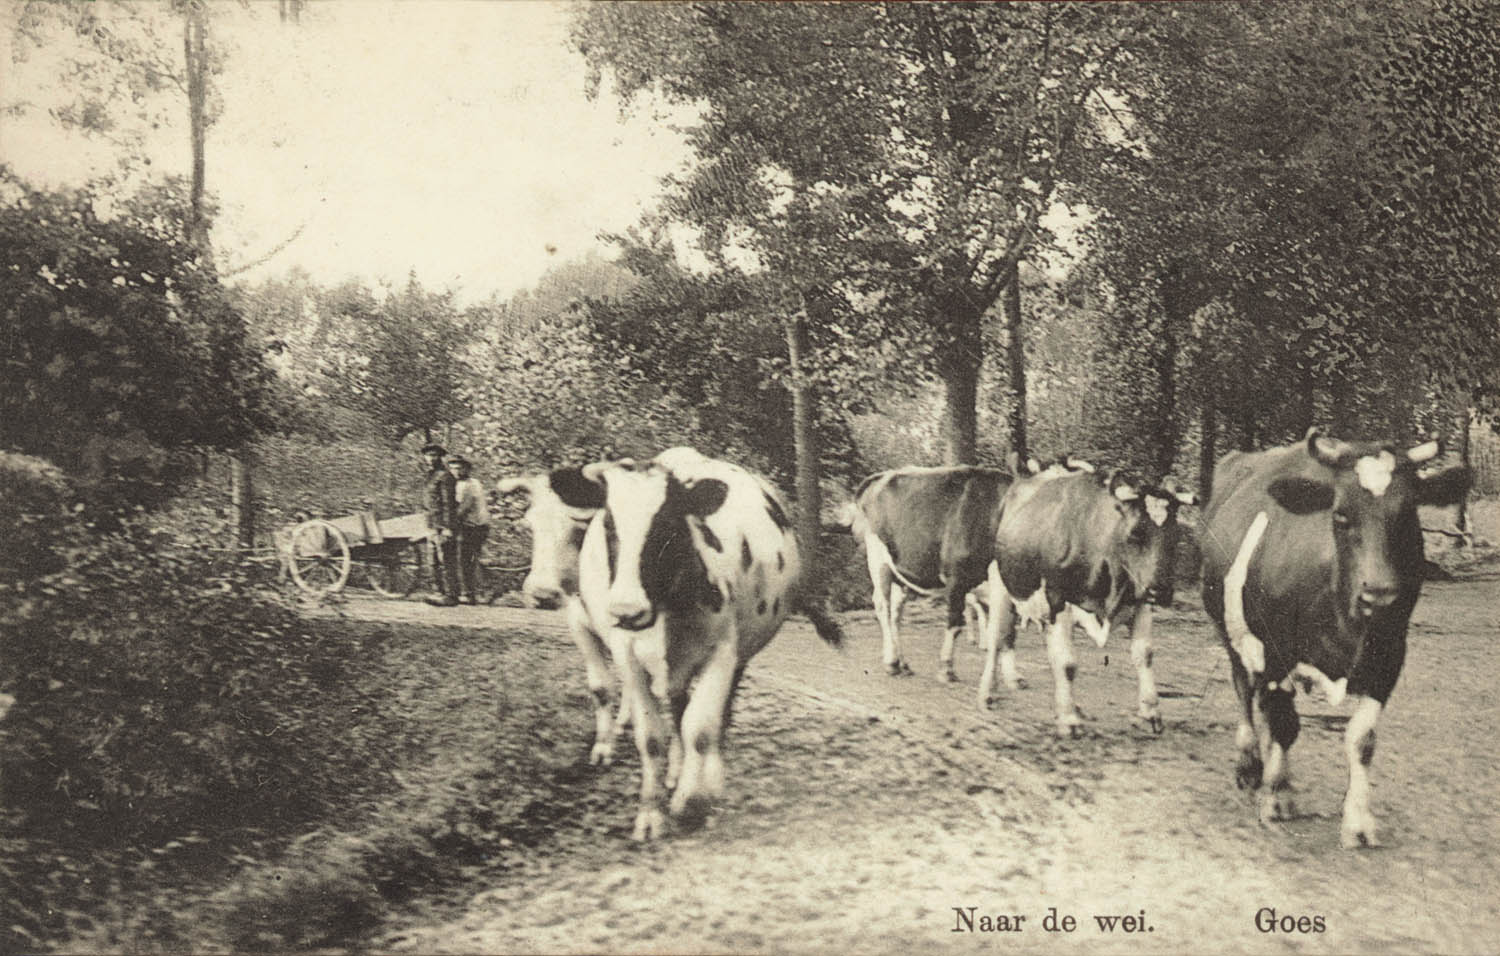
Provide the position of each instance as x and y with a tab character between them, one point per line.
396	576
318	557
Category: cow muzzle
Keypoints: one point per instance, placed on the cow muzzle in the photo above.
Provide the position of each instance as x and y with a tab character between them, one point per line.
1376	597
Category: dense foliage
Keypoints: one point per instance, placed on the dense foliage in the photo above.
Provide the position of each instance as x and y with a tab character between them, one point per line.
113	324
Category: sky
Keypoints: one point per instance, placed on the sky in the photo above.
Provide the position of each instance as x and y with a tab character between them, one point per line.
449	139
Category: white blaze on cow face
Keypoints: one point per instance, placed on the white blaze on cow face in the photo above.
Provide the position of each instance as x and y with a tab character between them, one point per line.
1158	510
556	535
1249	647
633	496
1375	472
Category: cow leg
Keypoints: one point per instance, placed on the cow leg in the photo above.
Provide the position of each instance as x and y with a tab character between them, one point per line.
598	670
1141	652
651	740
1280	725
976	619
702	730
999	638
1358	826
956	611
1248	768
882	583
1060	653
674	746
897	605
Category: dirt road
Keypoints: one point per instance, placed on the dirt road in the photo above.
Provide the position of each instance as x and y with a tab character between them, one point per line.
872	814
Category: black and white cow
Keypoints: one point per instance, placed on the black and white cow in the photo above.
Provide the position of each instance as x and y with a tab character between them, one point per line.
689	569
557	531
1076	547
931	531
1312	563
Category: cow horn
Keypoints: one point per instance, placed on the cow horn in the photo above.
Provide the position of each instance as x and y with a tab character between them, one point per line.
1424	452
1075	463
1327	451
595	472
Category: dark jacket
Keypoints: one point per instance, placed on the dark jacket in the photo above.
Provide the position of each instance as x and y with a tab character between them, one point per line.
439	500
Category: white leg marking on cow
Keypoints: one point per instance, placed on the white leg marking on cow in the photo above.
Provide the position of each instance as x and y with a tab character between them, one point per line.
1334	690
1249	647
1093	625
976	618
945	655
652	739
598	670
999	638
1141	652
1375	472
1157	510
1276	798
1358	825
882	583
899	595
1060	653
702	728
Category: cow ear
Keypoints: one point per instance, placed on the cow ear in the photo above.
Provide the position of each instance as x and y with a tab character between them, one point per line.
1302	496
576	489
1447	487
511	485
706	496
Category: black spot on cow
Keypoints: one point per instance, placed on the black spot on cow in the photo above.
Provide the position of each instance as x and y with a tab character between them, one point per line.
780	561
1367	749
655	748
746	558
701	742
778	515
776	606
601	696
1150	656
711	539
1071	670
760	608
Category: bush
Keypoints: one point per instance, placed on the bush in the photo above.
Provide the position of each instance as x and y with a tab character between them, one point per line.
160	693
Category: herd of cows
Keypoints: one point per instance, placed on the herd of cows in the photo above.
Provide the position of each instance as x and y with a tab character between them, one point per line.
674	572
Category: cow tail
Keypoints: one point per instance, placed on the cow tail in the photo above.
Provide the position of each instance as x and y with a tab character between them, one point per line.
828	629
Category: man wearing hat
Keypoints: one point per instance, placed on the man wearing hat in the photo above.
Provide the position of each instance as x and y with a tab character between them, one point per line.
472	523
441	503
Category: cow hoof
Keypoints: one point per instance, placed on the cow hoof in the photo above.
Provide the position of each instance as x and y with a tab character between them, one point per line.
1352	838
649	824
602	755
1247	773
893	669
1277	805
1070	731
1154	723
949	676
691	812
1018	683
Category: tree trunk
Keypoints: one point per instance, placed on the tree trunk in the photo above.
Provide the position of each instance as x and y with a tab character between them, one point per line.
194	42
1015	348
1465	458
805	440
242	497
1207	447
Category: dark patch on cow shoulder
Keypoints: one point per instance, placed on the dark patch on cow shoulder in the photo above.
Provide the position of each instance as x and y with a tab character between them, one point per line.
746	559
711	539
778	515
